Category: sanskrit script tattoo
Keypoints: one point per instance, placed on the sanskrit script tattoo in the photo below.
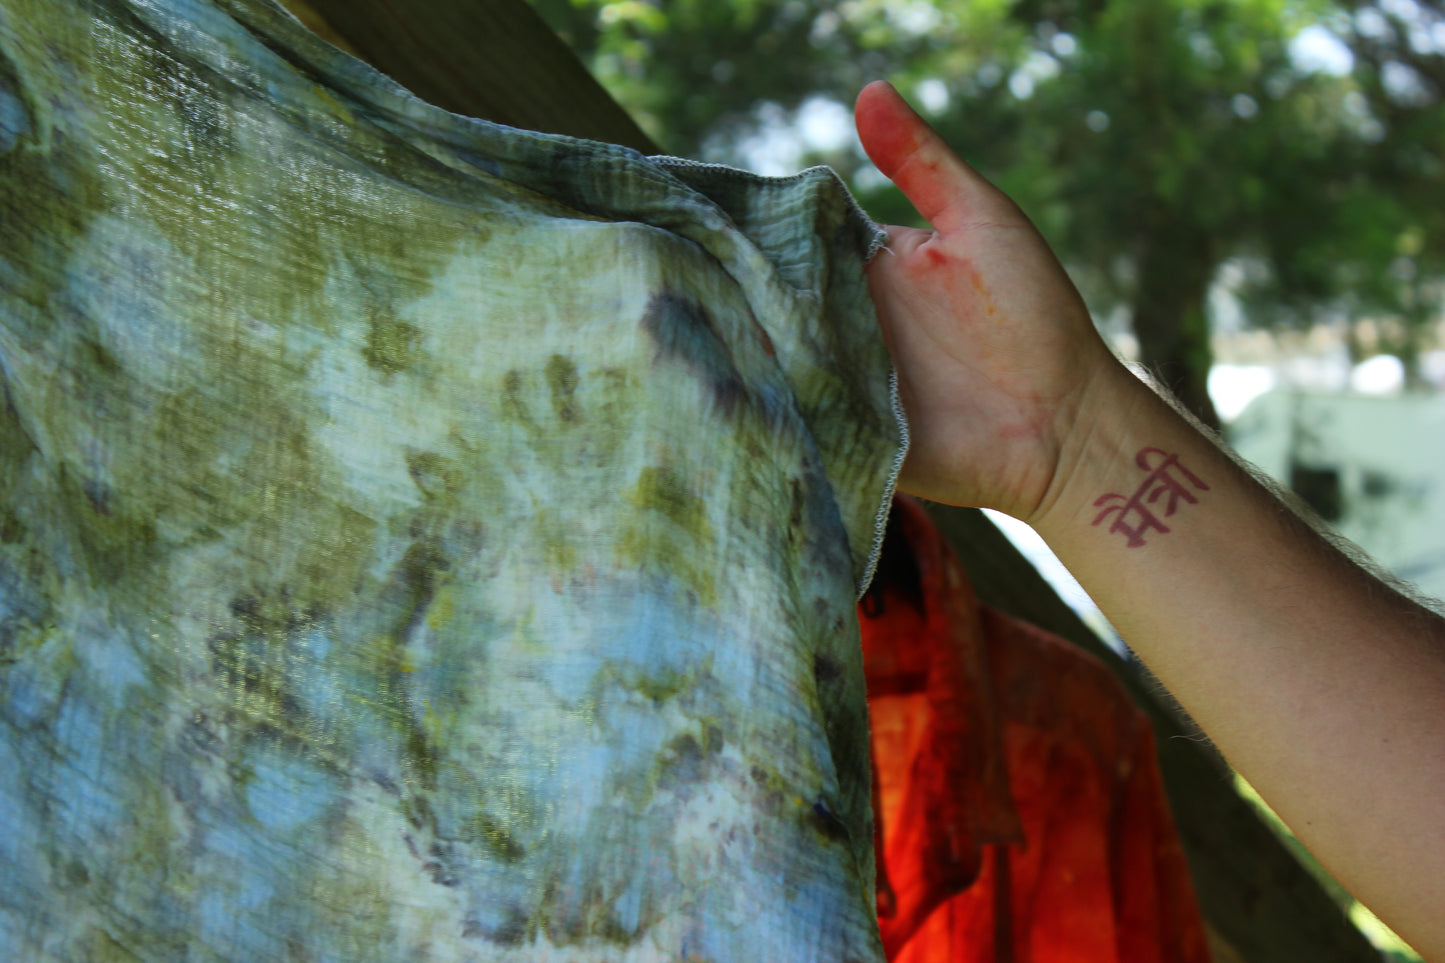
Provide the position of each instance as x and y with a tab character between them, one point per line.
1160	482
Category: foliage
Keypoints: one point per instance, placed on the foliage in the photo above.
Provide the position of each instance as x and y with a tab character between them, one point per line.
1153	141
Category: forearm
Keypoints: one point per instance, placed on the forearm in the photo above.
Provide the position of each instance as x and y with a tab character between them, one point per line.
1325	688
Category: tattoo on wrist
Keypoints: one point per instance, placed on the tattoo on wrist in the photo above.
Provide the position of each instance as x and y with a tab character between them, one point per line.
1161	482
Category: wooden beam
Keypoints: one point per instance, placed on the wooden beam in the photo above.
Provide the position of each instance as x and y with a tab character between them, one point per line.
495	59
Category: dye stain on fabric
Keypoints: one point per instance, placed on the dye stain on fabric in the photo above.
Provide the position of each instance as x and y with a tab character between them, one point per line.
395	561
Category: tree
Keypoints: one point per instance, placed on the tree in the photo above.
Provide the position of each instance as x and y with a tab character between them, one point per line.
1153	141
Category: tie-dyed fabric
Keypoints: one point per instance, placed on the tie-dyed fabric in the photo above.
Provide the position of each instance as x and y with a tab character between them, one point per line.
419	539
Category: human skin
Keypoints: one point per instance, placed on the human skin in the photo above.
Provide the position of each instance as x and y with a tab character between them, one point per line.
1321	685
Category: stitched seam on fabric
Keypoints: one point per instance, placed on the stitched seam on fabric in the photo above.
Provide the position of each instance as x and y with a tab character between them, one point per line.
878	243
880	518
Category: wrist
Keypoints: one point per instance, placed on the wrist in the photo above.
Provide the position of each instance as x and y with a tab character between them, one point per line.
1114	418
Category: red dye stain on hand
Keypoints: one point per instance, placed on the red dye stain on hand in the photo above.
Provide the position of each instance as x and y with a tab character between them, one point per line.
884	127
904	148
981	289
935	258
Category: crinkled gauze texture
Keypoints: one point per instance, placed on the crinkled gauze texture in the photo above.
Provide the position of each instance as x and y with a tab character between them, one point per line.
419	539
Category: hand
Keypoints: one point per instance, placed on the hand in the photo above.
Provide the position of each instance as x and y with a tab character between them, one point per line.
994	348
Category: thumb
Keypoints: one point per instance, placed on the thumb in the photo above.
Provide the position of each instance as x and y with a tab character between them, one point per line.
945	190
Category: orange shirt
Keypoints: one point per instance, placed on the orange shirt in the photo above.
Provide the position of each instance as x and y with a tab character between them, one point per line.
1021	810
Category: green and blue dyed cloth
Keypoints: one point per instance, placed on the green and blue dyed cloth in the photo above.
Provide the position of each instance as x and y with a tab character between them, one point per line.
420	540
